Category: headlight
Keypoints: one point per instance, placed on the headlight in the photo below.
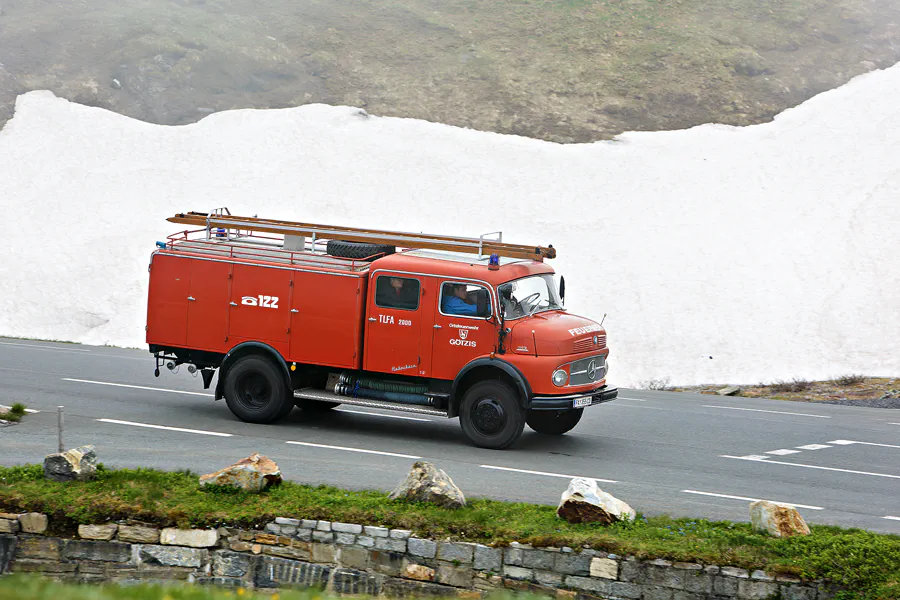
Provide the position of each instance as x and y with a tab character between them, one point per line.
560	377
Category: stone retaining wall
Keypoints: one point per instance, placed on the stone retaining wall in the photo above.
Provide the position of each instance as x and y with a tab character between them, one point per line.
347	558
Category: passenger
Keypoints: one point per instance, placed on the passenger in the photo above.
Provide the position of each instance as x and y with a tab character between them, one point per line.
455	301
398	295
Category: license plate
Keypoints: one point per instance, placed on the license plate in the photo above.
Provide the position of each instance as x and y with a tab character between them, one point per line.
579	402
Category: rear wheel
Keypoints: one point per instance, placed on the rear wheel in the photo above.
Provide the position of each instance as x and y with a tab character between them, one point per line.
554	422
491	415
256	391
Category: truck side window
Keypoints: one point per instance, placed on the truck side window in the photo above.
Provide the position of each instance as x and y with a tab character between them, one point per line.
461	299
396	292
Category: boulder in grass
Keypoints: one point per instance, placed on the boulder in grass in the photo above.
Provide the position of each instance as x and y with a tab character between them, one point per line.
584	502
779	520
78	464
253	474
427	483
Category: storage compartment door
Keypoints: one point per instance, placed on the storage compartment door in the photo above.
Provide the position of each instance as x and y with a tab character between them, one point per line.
260	304
167	301
207	319
326	316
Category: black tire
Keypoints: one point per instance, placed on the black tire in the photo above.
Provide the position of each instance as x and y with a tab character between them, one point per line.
256	390
554	422
491	415
314	405
356	250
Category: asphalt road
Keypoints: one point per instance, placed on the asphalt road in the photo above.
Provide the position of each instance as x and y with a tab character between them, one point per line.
679	454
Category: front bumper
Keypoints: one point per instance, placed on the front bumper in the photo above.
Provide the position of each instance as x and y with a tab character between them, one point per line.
566	402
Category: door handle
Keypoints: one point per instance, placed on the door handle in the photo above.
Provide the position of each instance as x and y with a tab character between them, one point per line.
191	298
294	310
437	327
233	303
372	319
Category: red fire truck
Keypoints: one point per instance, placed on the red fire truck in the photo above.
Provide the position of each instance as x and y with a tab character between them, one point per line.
313	316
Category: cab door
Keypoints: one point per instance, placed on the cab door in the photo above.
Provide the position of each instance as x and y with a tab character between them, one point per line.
462	332
397	319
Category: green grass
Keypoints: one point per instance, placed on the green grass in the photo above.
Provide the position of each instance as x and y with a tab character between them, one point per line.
15	412
867	563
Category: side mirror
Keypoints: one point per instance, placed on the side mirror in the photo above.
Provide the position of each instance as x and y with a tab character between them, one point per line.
562	289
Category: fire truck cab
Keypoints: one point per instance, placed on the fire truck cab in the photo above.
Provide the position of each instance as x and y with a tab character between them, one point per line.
315	316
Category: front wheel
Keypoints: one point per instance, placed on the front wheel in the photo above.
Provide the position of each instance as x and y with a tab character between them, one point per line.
554	422
256	391
491	415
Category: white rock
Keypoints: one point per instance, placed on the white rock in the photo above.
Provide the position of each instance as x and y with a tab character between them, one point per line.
195	538
584	502
779	520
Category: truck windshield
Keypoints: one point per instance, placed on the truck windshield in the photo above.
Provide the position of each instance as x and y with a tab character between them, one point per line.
529	295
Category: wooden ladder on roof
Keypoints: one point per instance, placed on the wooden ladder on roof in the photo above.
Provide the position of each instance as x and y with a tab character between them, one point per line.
483	245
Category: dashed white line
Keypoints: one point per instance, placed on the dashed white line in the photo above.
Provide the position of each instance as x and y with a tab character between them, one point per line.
893	518
360	450
814	447
777	412
634	399
137	387
778	462
848	442
362	412
167	428
526	471
44	347
750	499
755	457
893	423
783	452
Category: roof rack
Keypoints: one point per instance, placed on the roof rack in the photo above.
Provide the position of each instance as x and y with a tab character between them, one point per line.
222	219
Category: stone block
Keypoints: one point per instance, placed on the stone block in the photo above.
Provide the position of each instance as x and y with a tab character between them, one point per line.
486	558
519	573
365	541
390	544
725	586
630	591
548	578
303	534
605	568
103	532
286	521
9	525
734	572
404	588
225	582
376	532
400	534
418	572
265	538
240	546
513	556
455	576
587	584
749	589
659	575
323	526
272	572
323	553
456	551
29	565
38	548
295	553
103	551
230	564
288	530
572	563
684	566
423	548
761	576
683	595
653	592
33	523
631	570
350	582
538	559
354	557
698	582
193	538
273	528
345	539
8	545
346	528
797	592
325	537
308	523
169	556
387	563
137	534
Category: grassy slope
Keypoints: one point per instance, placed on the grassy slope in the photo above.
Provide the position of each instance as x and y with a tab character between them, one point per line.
567	70
863	560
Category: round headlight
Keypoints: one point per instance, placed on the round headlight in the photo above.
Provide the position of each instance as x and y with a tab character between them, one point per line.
560	377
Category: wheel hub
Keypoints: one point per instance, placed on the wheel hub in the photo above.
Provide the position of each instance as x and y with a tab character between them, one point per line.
488	416
253	391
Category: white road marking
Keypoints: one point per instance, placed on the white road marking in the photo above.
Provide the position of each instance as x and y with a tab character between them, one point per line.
39	347
783	452
624	398
777	412
751	499
362	412
778	462
893	518
526	471
893	423
149	426
814	447
137	387
848	442
354	450
755	457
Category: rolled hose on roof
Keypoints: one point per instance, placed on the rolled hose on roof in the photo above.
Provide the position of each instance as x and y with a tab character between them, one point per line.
383	386
343	389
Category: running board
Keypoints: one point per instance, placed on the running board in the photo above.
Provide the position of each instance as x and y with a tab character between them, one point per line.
323	396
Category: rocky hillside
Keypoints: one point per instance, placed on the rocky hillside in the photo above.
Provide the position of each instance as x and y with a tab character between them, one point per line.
562	70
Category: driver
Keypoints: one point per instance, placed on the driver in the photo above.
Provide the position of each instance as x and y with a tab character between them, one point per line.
455	301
